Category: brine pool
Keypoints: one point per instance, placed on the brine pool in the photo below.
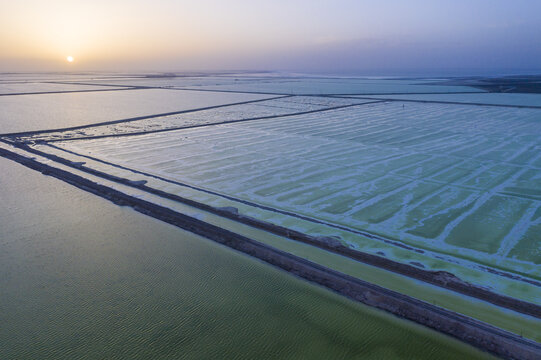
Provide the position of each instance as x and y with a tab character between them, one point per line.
84	278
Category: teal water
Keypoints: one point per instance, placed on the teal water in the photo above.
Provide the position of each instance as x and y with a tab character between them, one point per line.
81	278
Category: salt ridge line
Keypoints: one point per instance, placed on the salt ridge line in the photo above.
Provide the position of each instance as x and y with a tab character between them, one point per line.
476	333
442	279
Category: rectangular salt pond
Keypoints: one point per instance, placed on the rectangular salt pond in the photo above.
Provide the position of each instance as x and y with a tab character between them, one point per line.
462	180
50	111
84	278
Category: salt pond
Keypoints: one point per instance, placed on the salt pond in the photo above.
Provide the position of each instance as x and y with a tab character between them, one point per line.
458	183
83	278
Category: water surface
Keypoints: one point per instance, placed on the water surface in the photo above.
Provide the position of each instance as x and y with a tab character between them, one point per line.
83	278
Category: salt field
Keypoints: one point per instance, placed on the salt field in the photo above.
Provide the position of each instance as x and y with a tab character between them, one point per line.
59	110
439	178
378	167
83	278
299	85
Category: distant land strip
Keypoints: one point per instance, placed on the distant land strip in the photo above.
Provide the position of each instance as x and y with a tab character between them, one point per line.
481	335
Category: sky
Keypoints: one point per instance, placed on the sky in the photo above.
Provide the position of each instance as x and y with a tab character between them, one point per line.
340	36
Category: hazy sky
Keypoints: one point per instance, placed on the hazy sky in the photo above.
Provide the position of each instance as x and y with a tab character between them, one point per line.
362	36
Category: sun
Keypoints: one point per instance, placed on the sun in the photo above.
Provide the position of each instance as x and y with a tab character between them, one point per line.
70	58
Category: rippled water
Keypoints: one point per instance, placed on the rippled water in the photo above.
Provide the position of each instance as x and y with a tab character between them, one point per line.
83	278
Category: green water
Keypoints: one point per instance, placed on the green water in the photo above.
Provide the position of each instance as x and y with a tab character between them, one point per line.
83	278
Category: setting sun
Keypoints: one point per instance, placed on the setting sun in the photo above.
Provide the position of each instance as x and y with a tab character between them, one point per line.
70	58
